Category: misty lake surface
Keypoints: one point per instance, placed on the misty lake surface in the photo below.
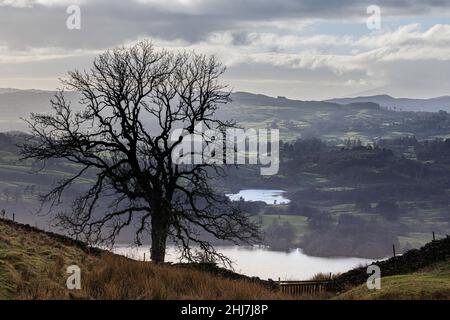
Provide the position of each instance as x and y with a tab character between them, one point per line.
263	263
269	196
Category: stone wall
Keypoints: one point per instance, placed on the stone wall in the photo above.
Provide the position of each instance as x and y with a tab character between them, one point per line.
410	261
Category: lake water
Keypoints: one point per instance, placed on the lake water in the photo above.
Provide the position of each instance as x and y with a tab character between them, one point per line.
263	263
269	196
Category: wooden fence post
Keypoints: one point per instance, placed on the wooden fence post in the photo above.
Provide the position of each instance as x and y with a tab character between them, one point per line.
434	237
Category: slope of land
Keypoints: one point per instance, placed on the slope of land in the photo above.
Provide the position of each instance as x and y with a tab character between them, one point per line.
33	265
418	274
432	282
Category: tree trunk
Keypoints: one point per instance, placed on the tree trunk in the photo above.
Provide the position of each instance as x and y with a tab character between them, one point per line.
159	237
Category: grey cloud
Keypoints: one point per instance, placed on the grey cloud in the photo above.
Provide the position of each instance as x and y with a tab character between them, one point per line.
107	23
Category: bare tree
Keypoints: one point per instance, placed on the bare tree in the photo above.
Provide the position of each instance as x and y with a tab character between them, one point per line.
125	90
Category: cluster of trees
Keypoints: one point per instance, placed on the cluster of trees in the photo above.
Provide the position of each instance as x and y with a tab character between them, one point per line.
359	238
437	150
280	236
376	180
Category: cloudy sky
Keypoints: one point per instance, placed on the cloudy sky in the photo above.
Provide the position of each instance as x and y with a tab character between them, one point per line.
305	49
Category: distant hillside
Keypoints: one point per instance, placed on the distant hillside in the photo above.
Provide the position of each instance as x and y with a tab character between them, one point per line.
405	104
335	120
338	120
16	104
245	98
8	90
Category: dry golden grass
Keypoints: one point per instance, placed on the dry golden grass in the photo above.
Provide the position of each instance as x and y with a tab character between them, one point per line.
33	266
120	278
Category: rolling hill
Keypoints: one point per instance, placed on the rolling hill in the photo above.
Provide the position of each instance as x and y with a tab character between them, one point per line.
405	104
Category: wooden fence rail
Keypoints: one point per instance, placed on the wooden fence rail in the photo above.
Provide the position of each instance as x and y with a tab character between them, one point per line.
299	288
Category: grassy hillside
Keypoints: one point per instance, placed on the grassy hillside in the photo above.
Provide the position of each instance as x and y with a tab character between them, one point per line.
417	274
432	282
33	266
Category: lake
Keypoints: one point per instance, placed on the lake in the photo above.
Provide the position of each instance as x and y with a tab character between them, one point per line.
268	196
263	263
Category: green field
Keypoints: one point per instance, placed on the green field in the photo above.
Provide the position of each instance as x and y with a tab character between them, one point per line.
299	223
